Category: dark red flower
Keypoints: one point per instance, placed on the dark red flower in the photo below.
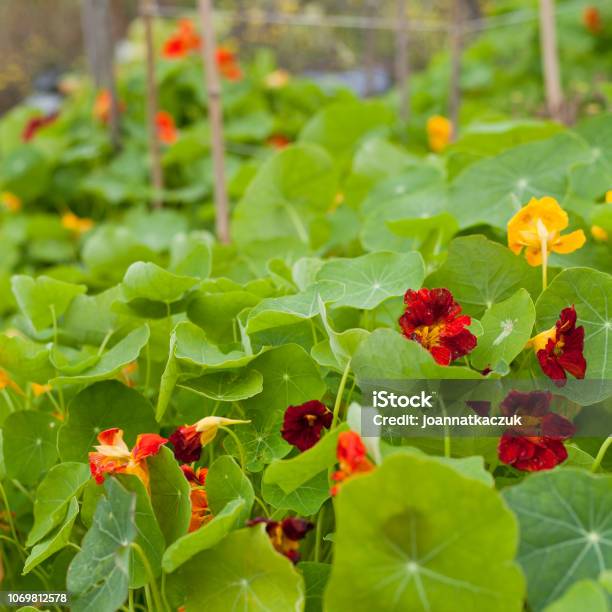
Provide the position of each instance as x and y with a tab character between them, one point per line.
560	349
35	124
538	443
187	444
352	458
531	454
286	534
480	407
303	424
434	320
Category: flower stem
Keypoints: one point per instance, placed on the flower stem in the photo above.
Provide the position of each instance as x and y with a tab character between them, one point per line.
317	550
544	247
338	403
152	584
600	455
238	444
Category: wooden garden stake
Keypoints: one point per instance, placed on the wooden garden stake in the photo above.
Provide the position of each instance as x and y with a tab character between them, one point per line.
370	48
157	175
402	63
215	115
550	59
456	31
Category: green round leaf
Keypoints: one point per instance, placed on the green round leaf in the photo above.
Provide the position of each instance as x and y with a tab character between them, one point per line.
447	539
565	531
103	406
30	445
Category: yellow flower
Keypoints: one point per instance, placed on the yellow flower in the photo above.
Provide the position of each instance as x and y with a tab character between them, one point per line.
40	389
537	228
439	133
76	224
208	427
609	197
599	233
10	201
277	79
7	383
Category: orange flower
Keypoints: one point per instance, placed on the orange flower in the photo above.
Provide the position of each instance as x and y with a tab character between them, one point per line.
166	128
112	455
127	372
200	512
10	201
188	440
537	229
278	141
228	64
7	383
77	225
352	459
439	133
102	106
599	233
182	41
591	17
39	390
277	79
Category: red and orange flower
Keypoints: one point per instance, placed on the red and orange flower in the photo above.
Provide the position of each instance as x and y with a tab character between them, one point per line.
166	128
538	444
278	141
188	440
591	17
560	349
228	64
112	455
285	535
200	512
34	125
183	41
103	104
434	320
352	459
303	424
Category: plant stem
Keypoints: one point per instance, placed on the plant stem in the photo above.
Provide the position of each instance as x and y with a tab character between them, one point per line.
9	518
318	534
152	584
263	506
238	444
600	455
338	402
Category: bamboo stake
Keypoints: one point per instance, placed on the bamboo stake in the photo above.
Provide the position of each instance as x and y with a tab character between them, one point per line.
147	11
550	59
110	83
402	63
370	49
456	32
215	116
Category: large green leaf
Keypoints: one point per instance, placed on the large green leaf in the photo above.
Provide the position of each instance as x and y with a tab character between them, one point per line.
62	483
386	355
190	255
112	361
29	445
507	327
207	536
492	190
290	190
56	541
590	292
416	551
243	569
340	127
99	575
149	281
225	483
99	407
25	359
565	532
44	300
148	534
582	595
480	273
316	576
169	495
371	279
229	386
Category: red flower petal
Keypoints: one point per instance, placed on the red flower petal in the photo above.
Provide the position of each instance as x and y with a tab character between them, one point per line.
187	445
302	425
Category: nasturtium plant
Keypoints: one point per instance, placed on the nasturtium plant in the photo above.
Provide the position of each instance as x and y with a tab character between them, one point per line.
191	406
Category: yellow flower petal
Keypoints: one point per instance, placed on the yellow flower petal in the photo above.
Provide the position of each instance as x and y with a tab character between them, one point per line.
537	343
569	243
439	133
599	233
609	197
